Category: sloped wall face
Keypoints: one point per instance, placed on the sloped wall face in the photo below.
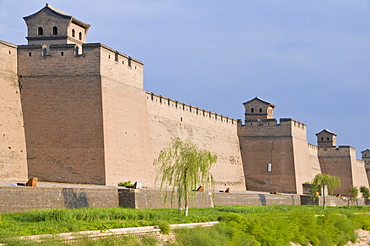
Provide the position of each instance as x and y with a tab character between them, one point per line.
258	153
305	166
338	162
314	160
268	156
61	98
216	133
13	163
128	151
361	179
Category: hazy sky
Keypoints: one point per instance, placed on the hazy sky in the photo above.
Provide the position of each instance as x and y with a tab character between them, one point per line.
310	58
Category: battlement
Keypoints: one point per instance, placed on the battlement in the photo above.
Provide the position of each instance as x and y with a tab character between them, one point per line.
8	61
70	59
273	122
42	50
312	146
340	151
189	108
273	128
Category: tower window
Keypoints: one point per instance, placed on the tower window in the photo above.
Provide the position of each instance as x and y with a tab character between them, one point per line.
322	139
73	33
40	31
80	36
55	30
260	110
252	110
327	138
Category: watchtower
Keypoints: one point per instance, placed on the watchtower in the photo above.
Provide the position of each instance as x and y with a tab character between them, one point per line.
258	109
52	26
326	138
366	159
366	156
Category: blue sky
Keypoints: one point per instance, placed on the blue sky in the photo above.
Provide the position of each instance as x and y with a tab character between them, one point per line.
310	58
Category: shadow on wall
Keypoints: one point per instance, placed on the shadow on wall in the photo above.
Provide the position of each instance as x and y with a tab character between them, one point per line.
73	199
262	199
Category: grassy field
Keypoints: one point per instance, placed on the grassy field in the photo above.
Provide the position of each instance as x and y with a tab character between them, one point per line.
264	225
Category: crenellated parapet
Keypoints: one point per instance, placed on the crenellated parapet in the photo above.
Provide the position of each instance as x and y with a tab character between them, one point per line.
165	101
272	128
312	146
69	59
340	151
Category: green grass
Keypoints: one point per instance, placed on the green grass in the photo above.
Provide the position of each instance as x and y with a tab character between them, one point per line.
263	225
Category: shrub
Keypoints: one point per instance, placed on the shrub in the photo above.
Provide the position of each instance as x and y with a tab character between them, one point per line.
126	184
365	192
164	226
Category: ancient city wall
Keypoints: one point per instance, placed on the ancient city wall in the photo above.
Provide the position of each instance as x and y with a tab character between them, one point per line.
275	156
302	163
13	163
341	162
337	162
61	98
60	60
120	67
304	166
361	179
216	133
314	160
367	169
128	148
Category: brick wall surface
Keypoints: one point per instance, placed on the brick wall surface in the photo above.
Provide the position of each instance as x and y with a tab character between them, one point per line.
230	199
19	199
13	163
155	199
342	162
258	152
128	149
64	128
169	119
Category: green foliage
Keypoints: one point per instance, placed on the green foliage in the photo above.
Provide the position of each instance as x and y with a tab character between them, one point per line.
323	180
365	192
128	240
353	193
126	184
164	226
239	225
183	167
200	236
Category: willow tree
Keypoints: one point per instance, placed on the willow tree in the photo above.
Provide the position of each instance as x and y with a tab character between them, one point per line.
183	167
322	181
